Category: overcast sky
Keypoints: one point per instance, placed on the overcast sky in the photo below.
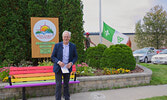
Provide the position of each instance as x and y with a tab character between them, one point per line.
121	15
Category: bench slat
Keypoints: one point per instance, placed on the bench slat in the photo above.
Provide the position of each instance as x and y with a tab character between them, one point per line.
38	84
28	72
37	78
31	68
33	79
32	82
33	75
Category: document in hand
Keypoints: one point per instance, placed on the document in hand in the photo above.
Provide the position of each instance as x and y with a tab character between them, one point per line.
64	69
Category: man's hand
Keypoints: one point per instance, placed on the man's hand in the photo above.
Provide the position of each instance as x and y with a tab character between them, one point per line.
69	65
61	64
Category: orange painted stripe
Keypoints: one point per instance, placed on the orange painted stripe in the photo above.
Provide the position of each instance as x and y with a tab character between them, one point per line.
34	75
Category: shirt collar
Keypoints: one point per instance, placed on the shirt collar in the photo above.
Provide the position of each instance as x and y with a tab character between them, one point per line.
66	45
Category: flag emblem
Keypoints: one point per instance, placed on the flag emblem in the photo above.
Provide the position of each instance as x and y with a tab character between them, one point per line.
107	33
119	39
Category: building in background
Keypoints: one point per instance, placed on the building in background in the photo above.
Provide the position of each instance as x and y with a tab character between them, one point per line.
95	38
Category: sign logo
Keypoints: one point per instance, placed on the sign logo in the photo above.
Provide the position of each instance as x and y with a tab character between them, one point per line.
44	30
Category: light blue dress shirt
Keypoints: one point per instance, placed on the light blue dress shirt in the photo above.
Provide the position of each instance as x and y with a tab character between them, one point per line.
65	53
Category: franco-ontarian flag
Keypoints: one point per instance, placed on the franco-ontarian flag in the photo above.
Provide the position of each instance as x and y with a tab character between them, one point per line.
114	36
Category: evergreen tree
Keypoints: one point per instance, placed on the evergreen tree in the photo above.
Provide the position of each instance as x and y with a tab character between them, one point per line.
72	21
15	35
14	40
70	16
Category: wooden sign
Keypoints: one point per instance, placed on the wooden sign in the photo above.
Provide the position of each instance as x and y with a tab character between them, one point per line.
44	35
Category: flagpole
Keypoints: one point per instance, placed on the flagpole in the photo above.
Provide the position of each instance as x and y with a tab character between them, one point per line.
100	21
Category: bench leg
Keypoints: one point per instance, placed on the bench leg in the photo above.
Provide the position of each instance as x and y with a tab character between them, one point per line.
23	93
75	75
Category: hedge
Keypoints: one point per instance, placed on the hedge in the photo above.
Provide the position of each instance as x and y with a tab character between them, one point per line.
94	54
118	56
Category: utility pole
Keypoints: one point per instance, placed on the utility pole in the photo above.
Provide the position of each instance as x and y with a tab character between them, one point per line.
100	21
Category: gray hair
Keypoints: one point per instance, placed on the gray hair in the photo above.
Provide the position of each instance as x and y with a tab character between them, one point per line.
66	32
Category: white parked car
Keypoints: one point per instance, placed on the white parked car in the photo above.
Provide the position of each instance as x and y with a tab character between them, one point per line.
145	54
160	58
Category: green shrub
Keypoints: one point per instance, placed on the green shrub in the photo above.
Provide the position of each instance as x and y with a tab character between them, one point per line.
118	56
45	63
24	63
6	63
94	54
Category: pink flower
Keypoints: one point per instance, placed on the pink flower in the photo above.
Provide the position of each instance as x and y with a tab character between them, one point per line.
79	65
83	63
86	65
0	69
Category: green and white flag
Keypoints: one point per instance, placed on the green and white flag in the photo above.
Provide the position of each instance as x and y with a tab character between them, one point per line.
113	36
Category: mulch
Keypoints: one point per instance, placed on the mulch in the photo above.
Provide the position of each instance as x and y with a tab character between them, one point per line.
137	70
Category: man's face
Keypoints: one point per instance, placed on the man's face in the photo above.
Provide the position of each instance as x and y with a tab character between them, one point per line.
66	38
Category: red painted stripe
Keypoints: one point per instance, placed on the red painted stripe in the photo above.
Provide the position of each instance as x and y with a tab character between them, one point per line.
74	68
28	72
31	68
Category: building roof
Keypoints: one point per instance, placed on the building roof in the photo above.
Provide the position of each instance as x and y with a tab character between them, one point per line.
97	33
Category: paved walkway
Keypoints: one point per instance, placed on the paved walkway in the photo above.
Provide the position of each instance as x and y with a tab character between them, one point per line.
133	93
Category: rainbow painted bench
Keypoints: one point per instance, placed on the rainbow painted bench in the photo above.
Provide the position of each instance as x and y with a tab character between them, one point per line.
22	77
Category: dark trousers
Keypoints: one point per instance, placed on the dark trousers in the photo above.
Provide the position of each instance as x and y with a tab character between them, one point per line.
66	78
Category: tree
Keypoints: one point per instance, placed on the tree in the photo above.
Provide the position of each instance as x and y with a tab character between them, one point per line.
153	31
15	30
15	42
73	21
70	16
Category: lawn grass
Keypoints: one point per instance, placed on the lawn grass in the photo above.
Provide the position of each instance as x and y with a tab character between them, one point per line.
156	98
159	75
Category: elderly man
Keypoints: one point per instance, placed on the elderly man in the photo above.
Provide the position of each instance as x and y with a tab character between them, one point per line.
64	55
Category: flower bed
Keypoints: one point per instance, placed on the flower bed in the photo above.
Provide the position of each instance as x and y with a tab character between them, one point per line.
84	70
4	73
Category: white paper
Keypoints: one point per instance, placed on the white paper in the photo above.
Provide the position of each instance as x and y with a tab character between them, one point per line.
64	69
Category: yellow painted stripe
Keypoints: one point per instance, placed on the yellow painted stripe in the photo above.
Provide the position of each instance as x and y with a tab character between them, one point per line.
37	78
72	76
33	79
